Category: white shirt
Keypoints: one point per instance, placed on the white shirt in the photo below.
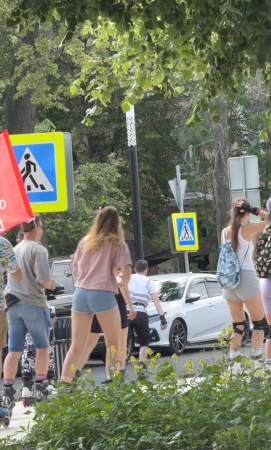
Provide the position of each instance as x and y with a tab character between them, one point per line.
141	289
244	252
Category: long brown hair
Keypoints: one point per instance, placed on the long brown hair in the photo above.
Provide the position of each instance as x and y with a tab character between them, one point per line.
106	227
235	224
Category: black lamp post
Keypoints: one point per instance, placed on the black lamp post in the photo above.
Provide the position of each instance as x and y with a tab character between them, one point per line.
133	164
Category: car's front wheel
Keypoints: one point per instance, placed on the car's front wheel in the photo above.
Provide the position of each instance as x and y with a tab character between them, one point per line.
177	337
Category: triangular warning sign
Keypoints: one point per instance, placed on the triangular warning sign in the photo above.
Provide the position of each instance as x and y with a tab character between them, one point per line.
33	176
186	234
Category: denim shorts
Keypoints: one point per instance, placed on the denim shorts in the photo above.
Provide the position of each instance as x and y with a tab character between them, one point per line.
23	318
87	301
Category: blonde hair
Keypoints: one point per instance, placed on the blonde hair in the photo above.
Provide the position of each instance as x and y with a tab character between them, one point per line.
106	227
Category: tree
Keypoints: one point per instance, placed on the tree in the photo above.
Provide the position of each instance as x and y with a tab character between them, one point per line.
95	183
215	43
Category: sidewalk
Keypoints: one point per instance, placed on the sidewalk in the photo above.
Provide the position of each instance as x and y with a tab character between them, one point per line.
18	419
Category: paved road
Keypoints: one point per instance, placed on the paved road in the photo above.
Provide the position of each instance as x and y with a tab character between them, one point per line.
98	369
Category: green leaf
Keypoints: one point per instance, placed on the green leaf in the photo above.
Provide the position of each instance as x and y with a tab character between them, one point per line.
73	89
215	118
69	36
125	106
106	97
263	136
232	96
125	67
11	23
165	373
111	79
96	93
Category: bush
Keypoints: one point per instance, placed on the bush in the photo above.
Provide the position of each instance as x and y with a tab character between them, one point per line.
215	409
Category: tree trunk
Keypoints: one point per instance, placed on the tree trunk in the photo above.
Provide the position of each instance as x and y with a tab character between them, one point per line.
20	113
221	183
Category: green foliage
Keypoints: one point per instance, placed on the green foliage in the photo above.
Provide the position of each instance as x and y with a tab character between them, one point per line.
219	407
159	44
95	183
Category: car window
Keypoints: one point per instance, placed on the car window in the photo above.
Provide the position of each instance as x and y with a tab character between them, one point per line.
169	291
200	289
214	288
62	274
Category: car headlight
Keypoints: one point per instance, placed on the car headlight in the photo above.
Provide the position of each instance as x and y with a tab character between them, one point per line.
155	318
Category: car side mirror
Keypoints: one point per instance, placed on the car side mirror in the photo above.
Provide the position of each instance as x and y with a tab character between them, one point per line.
68	273
192	298
59	289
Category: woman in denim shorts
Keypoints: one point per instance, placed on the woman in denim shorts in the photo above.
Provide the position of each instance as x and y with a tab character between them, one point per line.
96	262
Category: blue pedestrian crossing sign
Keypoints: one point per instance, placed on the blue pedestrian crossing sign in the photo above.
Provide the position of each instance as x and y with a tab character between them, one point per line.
42	164
185	232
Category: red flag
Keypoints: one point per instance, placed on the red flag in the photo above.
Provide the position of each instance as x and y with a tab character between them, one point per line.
14	204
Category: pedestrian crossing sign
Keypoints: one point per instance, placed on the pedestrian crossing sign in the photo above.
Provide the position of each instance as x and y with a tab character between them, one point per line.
41	161
185	232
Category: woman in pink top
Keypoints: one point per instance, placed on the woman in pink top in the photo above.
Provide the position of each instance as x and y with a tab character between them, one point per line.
96	262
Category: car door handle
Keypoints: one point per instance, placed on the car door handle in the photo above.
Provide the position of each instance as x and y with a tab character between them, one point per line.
211	305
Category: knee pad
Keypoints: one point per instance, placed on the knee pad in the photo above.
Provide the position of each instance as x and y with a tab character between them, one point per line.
269	332
237	330
259	324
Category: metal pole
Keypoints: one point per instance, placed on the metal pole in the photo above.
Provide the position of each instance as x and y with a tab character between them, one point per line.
134	178
180	198
243	176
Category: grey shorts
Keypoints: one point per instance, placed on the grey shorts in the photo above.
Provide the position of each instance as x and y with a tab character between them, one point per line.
249	287
87	301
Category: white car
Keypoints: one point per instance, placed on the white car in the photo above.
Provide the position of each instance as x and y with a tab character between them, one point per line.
194	309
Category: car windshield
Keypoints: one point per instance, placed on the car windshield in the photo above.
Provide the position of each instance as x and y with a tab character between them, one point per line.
170	290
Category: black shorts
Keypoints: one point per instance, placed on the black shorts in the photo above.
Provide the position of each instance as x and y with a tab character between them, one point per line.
141	326
96	327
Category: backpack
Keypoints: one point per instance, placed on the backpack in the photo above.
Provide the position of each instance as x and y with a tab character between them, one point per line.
228	268
263	254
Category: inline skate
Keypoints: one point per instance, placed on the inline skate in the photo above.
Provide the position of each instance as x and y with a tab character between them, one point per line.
28	393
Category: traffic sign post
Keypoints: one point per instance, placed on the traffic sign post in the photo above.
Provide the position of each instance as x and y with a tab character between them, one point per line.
178	188
46	167
244	181
185	232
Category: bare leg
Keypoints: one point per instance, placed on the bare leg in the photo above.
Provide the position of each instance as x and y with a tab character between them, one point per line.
11	365
123	347
42	361
1	354
237	315
81	324
91	343
110	324
255	308
143	355
268	341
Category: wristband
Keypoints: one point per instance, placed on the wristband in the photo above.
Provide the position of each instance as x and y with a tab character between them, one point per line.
163	320
269	217
245	207
255	211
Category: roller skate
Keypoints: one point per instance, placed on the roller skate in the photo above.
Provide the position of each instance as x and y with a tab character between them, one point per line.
7	404
4	416
8	401
51	387
28	393
41	390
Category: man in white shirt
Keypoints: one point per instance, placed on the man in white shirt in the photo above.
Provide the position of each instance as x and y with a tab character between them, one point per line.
141	290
